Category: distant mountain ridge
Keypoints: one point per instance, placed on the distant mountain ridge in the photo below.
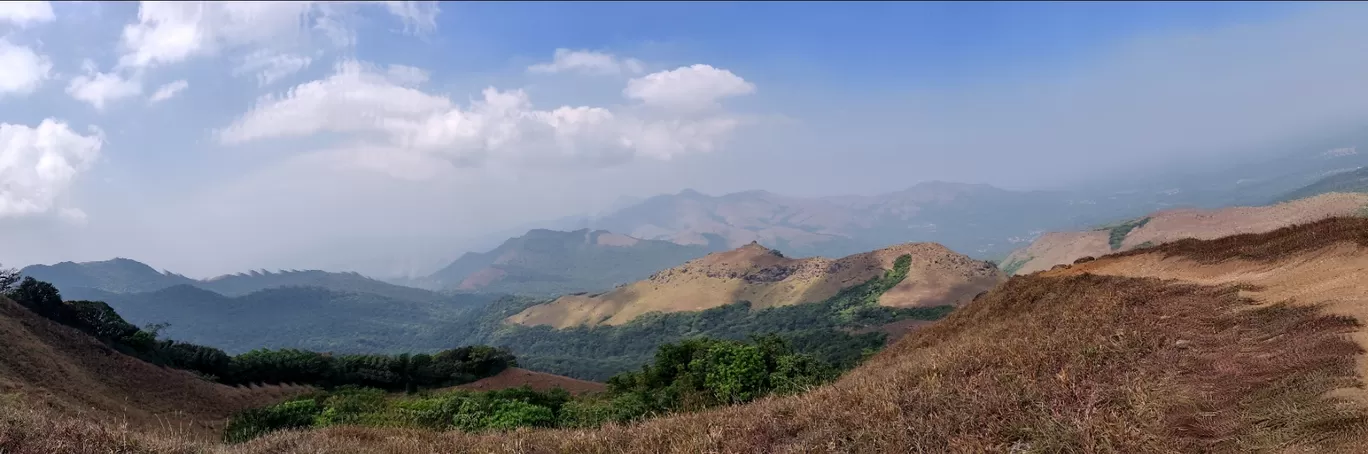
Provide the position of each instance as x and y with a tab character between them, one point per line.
980	220
975	219
1350	180
311	318
127	276
549	262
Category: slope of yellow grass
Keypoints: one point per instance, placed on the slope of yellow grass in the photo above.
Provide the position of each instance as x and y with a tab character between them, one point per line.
67	372
756	274
1165	226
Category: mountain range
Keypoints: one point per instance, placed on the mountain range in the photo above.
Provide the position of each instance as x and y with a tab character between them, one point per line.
548	263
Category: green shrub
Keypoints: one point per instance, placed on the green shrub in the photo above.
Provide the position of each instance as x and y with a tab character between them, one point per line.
253	423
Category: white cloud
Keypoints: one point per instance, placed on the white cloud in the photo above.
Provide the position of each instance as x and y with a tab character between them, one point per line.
99	89
169	90
397	123
589	62
407	75
23	69
271	66
688	88
418	17
24	14
38	165
169	32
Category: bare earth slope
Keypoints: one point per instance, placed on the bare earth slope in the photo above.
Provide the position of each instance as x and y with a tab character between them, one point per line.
514	377
73	374
753	273
1165	226
1070	360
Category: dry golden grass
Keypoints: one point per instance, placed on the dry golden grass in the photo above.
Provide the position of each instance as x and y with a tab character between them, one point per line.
1172	225
515	377
938	276
66	372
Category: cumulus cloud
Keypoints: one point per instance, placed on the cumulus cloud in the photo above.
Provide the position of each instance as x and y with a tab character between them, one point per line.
168	91
24	14
270	66
407	75
404	124
689	88
168	32
99	89
23	69
38	165
588	62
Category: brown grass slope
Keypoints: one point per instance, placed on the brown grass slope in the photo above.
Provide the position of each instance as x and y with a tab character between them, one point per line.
1230	356
515	377
1057	248
69	373
757	274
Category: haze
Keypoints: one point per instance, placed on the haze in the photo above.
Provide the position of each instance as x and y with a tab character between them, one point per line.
391	137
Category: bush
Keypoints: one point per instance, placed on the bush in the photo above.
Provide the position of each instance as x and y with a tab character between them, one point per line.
250	424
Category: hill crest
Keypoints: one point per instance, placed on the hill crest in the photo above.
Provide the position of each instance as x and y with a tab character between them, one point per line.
1056	248
766	278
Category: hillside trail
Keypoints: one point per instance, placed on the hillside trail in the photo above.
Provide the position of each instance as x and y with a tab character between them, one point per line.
1333	277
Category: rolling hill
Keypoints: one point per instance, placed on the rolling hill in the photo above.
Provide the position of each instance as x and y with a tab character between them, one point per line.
121	275
1058	248
59	370
765	278
548	262
310	318
1248	343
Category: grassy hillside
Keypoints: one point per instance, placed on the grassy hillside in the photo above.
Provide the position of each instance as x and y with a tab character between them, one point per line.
766	278
1062	248
63	371
1103	358
547	263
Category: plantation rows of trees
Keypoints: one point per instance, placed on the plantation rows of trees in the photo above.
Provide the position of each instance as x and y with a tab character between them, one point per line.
692	375
402	372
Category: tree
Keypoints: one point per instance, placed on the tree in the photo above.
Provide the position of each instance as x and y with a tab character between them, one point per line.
9	277
43	298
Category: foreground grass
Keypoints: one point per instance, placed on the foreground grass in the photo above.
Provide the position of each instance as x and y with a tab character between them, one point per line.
1041	364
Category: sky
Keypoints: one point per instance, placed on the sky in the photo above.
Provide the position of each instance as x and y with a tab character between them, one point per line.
210	138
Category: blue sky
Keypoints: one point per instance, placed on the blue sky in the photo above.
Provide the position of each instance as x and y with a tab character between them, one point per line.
346	136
